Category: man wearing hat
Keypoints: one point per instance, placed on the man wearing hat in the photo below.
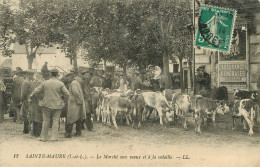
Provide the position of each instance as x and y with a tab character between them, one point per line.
45	71
202	79
137	81
107	82
54	94
16	95
2	90
36	108
86	76
78	77
26	89
115	80
76	107
96	81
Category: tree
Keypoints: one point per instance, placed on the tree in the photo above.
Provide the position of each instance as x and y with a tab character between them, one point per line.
6	24
32	26
168	26
73	24
122	34
140	43
103	44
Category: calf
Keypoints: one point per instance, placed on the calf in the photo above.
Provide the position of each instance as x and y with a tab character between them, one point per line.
105	110
220	93
117	104
182	105
205	107
244	94
138	105
100	104
157	101
244	108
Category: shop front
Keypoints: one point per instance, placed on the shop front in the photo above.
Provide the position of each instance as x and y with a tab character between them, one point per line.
233	67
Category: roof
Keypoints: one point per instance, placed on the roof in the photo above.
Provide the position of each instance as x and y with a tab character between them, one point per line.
20	49
7	63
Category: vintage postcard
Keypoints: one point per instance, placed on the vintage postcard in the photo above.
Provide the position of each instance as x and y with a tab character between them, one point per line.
129	83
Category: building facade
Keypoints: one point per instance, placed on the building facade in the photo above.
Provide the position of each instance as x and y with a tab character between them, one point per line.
240	68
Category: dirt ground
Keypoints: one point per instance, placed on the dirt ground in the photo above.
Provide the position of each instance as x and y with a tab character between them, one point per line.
214	147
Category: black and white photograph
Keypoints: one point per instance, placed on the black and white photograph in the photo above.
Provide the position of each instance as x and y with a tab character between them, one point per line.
124	83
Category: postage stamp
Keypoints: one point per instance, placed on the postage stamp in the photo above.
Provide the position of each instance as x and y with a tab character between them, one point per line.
215	28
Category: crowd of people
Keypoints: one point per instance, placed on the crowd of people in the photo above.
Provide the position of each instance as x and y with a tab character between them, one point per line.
39	99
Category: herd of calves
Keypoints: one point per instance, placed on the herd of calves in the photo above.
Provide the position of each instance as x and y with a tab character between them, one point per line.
136	107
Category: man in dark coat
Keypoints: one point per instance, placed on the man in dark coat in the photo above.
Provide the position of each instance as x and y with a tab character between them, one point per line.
138	81
202	79
26	90
45	71
36	109
2	90
115	80
107	83
96	80
88	98
16	96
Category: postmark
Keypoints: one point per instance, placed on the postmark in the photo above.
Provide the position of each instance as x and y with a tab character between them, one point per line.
215	28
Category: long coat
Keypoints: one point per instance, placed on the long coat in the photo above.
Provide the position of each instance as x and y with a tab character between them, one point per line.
2	89
26	90
76	103
87	96
36	109
16	92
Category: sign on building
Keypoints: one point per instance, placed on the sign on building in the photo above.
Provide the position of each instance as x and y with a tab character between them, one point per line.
215	28
233	76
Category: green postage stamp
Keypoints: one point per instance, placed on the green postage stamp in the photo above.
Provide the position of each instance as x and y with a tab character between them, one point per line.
215	28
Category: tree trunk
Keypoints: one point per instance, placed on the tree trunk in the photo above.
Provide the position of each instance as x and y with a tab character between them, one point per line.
75	60
124	70
166	70
30	61
30	55
191	75
181	75
105	65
